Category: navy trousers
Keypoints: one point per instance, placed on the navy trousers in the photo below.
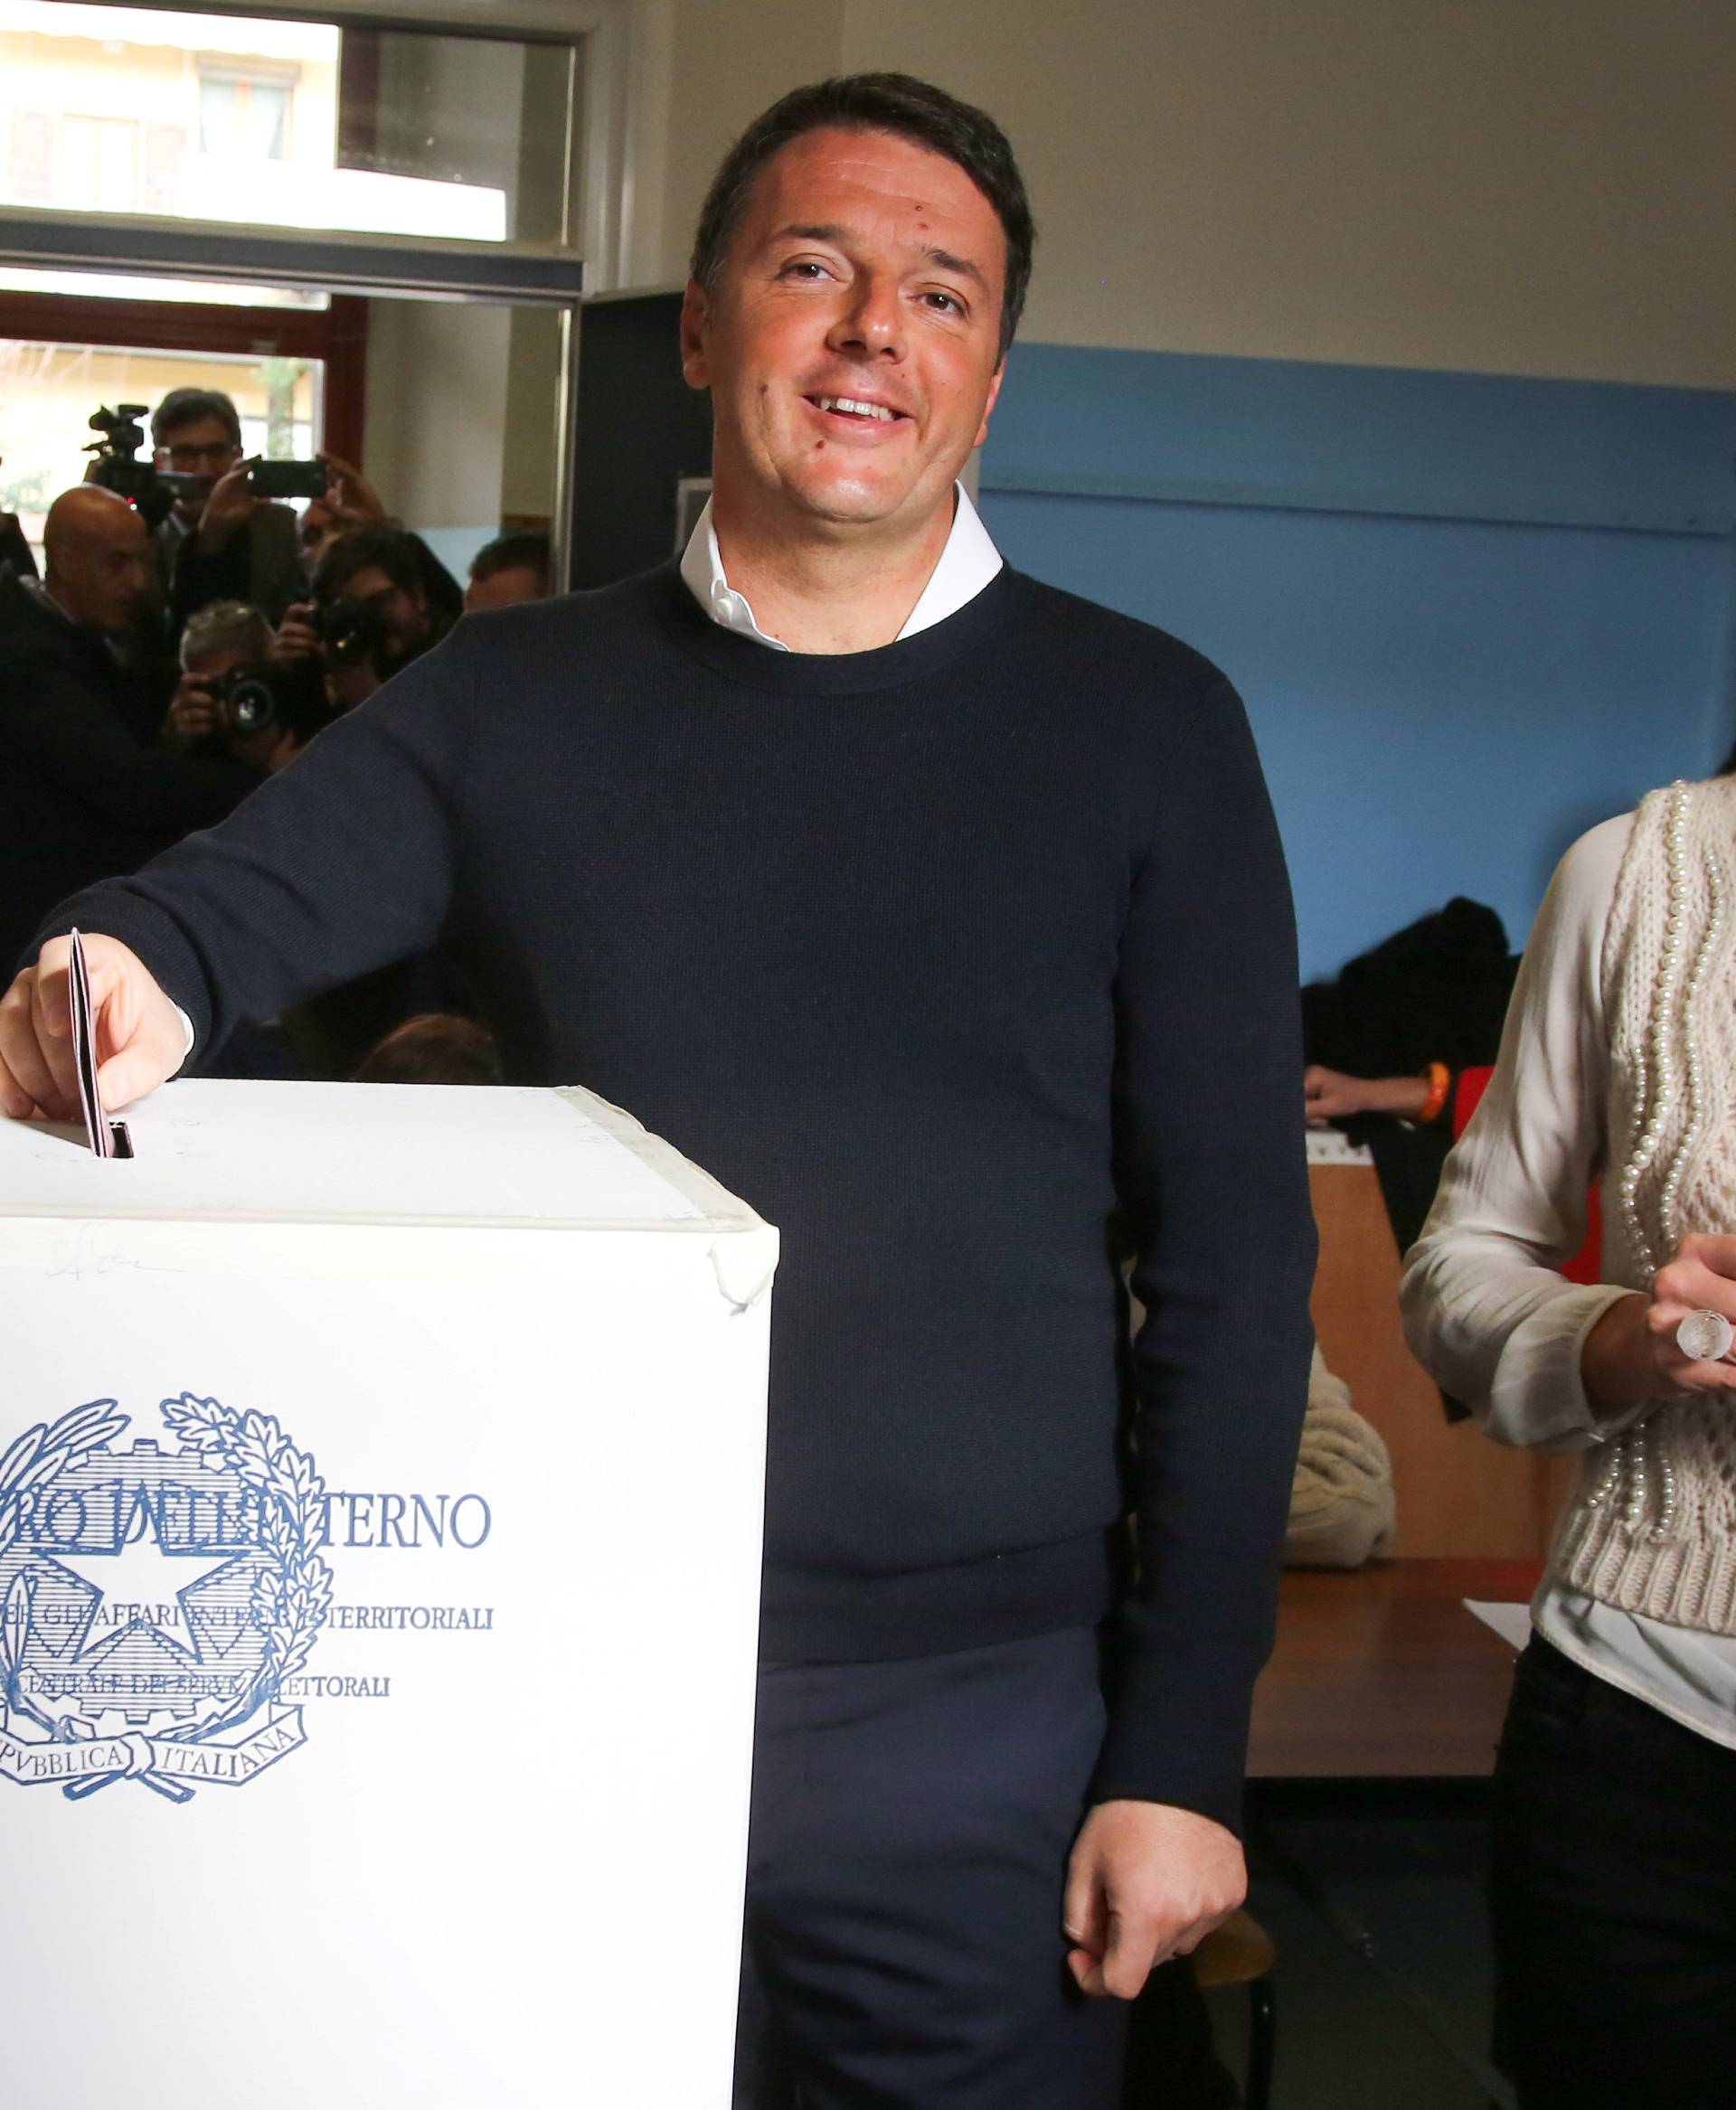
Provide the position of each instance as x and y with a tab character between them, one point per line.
910	1828
1614	1900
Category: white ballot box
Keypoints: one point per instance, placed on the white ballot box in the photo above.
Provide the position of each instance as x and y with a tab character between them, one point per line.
381	1484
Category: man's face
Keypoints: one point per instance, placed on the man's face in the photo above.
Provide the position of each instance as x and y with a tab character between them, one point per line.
202	447
319	528
866	269
505	589
102	574
402	616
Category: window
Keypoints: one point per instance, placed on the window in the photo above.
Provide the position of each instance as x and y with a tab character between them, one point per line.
100	165
48	391
243	119
165	147
30	161
287	124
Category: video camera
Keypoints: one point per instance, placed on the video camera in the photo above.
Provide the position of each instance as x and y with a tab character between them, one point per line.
268	695
150	491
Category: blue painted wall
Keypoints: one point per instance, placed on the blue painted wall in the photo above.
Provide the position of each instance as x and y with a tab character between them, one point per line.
1470	615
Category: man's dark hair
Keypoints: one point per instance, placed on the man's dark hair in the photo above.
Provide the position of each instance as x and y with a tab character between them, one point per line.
520	552
875	102
370	549
183	407
436	1047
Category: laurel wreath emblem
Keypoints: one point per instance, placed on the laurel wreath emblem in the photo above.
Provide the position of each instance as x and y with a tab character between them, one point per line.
291	1595
43	1452
38	1455
290	1600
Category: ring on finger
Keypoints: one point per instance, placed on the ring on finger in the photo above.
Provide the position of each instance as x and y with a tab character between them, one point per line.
1705	1336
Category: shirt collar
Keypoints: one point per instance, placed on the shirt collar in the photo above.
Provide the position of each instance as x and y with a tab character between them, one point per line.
965	566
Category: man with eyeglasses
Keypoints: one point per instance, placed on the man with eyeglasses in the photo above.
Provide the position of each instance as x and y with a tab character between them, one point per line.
219	541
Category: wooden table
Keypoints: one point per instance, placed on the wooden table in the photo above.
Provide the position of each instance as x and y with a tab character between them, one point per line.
1382	1673
1459	1495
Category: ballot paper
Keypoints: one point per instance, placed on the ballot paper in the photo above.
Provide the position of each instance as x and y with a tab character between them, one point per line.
380	1482
107	1138
1511	1622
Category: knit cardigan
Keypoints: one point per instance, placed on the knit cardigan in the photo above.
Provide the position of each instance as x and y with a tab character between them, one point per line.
1652	1524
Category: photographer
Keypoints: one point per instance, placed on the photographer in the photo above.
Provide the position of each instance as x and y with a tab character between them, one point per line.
234	697
87	792
350	501
220	540
372	614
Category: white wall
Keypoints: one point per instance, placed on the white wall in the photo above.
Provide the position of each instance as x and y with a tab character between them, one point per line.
1526	187
436	411
459	427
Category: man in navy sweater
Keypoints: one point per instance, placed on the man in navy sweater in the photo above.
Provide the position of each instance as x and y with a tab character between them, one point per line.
943	915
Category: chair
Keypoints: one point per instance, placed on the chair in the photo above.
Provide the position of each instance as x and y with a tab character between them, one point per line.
1241	1952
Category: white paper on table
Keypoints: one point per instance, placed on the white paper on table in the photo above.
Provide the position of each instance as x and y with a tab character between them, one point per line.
1511	1622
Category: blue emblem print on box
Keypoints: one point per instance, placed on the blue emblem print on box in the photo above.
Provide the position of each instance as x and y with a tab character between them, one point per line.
154	1599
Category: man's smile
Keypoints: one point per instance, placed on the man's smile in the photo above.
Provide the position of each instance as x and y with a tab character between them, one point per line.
859	417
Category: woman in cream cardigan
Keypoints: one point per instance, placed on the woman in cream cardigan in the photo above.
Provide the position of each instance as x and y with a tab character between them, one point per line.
1615	1799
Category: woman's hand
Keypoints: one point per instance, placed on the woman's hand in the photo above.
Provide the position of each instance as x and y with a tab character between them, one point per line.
1631	1354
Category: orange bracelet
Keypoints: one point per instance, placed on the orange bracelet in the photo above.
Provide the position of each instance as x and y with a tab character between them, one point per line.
1440	1082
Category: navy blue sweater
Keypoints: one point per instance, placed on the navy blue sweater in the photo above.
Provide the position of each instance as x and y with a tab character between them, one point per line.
962	961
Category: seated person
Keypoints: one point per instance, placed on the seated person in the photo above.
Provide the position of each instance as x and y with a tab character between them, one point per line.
87	789
1386	1041
510	570
218	542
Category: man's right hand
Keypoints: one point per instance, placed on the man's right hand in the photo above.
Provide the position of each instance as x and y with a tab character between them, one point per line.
297	636
140	1040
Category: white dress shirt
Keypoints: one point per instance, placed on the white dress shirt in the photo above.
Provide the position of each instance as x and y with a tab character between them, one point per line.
1486	1303
965	566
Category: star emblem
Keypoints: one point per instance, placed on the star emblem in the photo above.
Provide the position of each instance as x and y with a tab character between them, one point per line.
143	1582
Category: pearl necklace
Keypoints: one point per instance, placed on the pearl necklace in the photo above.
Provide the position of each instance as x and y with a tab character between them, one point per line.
1637	1450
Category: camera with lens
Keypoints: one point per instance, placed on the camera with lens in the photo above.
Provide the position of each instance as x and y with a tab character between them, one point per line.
352	631
268	695
142	484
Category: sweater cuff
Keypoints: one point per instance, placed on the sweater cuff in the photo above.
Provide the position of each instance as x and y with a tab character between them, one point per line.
1178	1733
1537	1395
159	942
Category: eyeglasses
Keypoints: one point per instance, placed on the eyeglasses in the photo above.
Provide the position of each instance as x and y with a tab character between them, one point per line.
186	456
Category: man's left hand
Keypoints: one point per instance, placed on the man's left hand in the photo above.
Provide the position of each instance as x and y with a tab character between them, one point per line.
1146	1882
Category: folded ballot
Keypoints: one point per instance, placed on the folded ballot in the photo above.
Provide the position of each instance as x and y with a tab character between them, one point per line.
381	1477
